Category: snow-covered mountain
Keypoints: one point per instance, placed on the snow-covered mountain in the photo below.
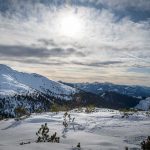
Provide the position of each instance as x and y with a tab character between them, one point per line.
35	92
100	88
144	104
17	82
31	91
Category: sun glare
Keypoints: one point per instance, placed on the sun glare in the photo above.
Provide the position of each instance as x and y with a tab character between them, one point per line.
71	26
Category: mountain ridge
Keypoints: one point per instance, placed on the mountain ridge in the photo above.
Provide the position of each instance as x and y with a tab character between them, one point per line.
100	88
34	92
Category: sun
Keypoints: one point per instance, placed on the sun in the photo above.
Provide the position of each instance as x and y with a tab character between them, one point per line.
71	25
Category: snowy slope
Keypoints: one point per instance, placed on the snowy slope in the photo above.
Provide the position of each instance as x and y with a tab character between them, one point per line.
30	91
17	82
144	104
95	131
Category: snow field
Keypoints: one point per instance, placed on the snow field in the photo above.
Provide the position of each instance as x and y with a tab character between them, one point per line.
101	130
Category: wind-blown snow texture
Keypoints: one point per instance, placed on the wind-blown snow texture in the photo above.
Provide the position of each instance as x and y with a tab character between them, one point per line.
95	131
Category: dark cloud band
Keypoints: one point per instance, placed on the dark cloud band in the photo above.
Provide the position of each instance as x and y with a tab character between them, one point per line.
25	51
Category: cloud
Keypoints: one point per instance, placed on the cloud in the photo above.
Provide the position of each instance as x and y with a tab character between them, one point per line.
124	4
115	38
22	51
98	64
140	70
136	9
35	52
47	42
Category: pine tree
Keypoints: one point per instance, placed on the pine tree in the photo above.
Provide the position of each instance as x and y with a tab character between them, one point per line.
44	137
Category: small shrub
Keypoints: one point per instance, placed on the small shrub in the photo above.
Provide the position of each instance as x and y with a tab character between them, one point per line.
1	117
20	111
78	145
65	124
80	109
148	113
64	108
145	145
39	110
22	143
56	108
125	110
90	108
126	148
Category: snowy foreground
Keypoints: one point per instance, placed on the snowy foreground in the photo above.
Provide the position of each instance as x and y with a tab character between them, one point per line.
101	130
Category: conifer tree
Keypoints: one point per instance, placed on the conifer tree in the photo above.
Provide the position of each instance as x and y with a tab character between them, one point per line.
43	135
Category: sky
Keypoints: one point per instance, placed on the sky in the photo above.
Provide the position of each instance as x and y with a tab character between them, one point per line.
78	40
